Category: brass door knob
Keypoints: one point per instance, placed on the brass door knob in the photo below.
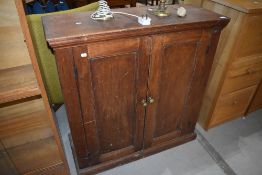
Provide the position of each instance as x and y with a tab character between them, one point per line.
144	102
150	100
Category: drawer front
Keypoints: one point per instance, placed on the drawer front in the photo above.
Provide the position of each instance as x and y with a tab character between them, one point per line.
244	73
232	105
250	42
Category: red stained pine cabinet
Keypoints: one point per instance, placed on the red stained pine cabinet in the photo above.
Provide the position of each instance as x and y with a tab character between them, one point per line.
132	90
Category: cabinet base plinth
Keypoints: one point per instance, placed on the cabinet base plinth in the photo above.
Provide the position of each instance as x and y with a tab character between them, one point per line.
137	155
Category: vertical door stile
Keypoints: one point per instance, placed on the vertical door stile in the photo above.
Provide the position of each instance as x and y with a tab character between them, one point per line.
154	63
87	102
65	65
142	88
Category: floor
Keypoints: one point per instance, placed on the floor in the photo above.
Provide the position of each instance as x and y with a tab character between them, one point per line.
229	149
239	143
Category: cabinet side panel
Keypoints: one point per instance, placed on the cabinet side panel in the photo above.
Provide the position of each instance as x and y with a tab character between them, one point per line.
84	81
224	54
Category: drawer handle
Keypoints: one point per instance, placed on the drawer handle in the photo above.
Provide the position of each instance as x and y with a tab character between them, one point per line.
250	71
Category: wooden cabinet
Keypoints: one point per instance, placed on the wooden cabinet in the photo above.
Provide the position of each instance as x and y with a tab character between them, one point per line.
237	69
131	90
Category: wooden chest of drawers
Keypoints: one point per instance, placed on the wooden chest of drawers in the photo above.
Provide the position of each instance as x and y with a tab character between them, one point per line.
237	69
132	90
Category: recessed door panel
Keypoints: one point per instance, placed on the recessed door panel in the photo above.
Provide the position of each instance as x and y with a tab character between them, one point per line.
176	72
114	85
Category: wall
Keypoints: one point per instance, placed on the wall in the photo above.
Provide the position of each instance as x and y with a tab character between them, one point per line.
12	46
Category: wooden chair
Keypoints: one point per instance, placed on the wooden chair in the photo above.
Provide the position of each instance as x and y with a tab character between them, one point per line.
45	58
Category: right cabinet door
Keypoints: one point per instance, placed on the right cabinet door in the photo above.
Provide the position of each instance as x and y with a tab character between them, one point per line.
176	80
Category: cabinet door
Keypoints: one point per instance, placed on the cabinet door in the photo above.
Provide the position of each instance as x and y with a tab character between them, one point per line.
112	81
177	59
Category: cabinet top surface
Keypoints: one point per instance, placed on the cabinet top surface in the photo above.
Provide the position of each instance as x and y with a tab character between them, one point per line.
75	28
246	6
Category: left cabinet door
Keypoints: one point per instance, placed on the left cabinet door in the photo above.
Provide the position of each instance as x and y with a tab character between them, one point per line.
111	81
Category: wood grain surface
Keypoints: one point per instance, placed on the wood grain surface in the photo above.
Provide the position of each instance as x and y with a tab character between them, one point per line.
122	25
18	83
